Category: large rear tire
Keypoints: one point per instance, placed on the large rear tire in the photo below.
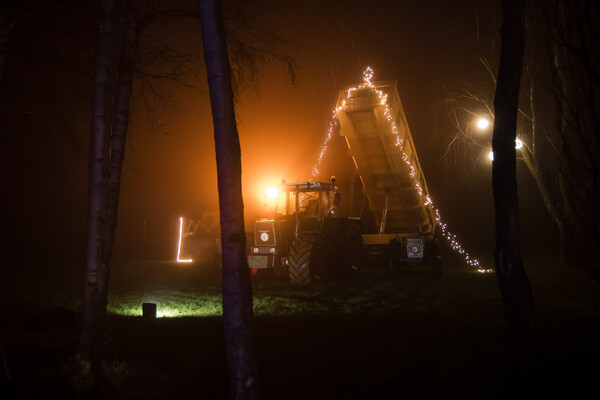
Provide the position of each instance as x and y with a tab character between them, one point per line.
300	259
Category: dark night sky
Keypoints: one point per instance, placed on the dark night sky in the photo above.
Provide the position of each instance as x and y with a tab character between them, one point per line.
171	171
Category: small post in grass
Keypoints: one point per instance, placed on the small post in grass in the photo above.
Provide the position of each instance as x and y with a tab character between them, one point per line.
149	310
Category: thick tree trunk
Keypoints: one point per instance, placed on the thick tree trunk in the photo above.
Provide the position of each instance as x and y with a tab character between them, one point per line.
118	139
4	28
95	285
512	279
237	291
576	87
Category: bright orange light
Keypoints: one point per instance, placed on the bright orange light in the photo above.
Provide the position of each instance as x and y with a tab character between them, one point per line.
187	260
272	192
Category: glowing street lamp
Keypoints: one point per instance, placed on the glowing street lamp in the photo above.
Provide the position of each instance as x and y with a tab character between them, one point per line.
483	123
518	146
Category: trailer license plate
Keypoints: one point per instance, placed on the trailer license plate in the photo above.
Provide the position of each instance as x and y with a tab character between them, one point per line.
414	248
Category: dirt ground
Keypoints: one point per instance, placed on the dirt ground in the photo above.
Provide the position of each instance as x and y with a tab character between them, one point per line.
405	335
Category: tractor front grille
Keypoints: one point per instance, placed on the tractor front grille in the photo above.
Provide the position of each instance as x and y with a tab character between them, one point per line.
264	234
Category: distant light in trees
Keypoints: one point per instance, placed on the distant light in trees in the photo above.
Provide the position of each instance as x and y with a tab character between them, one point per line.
483	123
518	144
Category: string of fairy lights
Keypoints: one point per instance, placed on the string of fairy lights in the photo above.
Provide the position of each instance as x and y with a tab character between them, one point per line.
399	142
332	123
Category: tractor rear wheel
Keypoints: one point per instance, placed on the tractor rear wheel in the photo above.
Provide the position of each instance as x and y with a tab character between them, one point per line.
302	255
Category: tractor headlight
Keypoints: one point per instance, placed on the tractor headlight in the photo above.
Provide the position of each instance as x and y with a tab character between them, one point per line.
272	192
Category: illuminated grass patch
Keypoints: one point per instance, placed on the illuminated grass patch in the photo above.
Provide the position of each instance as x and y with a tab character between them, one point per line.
280	300
194	292
168	304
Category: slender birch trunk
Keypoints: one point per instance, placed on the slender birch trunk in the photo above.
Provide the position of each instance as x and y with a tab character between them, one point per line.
118	139
237	291
95	285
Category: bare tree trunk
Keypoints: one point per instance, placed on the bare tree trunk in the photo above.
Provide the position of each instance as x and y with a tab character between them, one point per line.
118	139
576	87
95	285
512	279
237	291
4	28
6	25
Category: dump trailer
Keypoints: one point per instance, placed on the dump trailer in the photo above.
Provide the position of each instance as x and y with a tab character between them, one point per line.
373	122
305	237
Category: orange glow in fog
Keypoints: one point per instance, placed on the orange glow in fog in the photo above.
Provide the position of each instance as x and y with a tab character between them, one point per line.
187	260
272	192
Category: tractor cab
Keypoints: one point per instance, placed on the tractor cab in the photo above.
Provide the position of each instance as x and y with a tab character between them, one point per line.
306	204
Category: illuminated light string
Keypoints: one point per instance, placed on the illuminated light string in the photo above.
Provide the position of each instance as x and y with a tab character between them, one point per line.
367	83
332	123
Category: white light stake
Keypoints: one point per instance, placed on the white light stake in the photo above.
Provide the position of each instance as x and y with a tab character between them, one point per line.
179	260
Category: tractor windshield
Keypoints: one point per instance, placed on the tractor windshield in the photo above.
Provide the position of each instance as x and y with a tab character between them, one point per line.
310	199
309	203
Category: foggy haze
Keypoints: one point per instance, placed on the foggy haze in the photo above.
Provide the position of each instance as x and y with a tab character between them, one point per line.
170	164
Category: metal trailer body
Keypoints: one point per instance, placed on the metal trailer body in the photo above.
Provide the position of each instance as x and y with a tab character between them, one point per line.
390	172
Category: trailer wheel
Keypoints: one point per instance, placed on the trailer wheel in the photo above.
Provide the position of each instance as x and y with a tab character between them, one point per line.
354	252
302	255
393	254
435	258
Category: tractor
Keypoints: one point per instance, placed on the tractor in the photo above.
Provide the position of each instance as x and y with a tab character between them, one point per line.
305	236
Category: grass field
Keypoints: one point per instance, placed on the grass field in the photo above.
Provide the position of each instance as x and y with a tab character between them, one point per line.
376	335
